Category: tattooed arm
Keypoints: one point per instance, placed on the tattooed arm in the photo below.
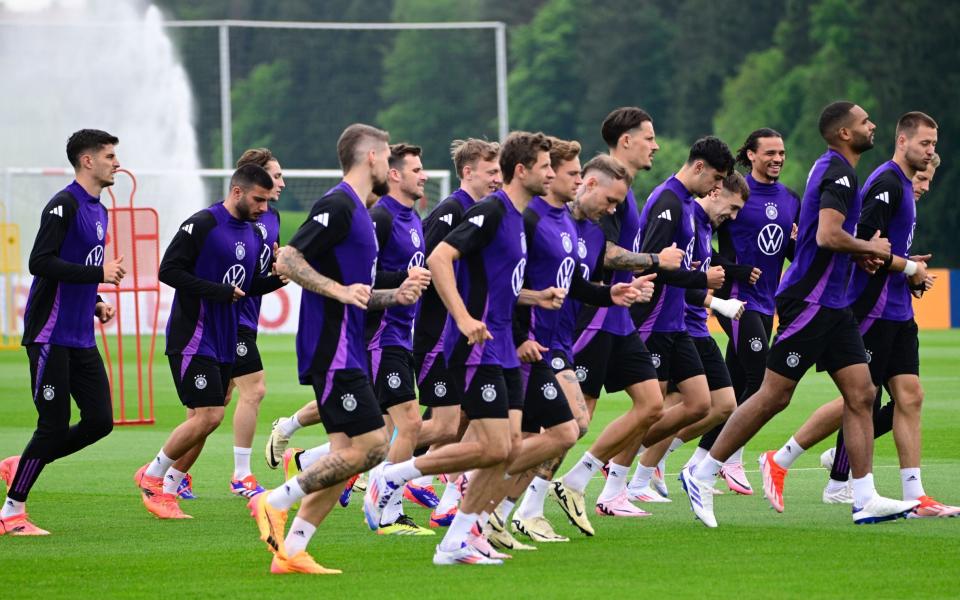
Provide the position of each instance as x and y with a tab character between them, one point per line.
292	264
619	259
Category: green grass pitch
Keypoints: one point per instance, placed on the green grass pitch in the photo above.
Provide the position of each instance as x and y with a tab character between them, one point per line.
105	544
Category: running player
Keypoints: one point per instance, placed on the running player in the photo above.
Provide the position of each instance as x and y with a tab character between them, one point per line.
711	211
608	352
390	332
333	257
882	303
67	265
816	325
759	238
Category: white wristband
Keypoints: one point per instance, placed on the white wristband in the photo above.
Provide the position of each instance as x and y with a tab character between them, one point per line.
728	308
911	268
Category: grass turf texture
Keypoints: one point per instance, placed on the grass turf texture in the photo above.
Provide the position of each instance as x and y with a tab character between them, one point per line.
104	543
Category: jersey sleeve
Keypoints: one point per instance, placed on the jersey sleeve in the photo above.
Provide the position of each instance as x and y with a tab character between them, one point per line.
382	225
880	203
327	224
439	224
478	228
180	259
610	224
838	191
589	293
45	258
660	233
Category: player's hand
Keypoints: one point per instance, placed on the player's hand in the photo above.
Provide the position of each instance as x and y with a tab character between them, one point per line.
730	308
274	270
794	231
715	277
644	286
237	294
355	294
921	257
671	258
104	312
113	271
623	294
551	298
475	331
868	263
409	291
530	351
420	275
755	275
879	246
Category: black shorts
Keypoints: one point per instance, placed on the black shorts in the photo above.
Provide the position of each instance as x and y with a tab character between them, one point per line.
714	365
811	334
612	362
435	382
248	355
200	380
544	405
749	335
893	348
489	391
59	372
346	401
392	369
559	361
674	355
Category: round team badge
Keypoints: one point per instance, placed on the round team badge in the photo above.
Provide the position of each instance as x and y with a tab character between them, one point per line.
241	349
523	243
200	381
581	248
49	392
771	211
99	230
793	359
566	241
393	381
349	402
549	391
488	393
655	359
439	389
556	363
262	229
415	238
240	250
756	345
581	374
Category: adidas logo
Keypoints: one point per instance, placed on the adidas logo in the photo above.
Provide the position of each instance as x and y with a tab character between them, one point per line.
323	219
448	219
299	533
57	210
665	215
188	228
844	181
477	220
883	197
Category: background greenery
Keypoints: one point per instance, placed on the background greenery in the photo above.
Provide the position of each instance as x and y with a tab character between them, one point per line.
698	66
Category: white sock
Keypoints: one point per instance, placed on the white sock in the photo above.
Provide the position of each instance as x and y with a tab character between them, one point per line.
449	498
286	495
171	481
641	477
158	467
674	445
12	507
532	504
400	473
707	469
737	457
300	533
912	486
834	486
308	457
241	462
698	455
863	490
392	511
506	507
616	482
790	452
290	426
423	481
459	530
579	476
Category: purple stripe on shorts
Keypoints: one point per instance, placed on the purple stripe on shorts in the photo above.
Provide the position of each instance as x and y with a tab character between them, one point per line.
41	367
428	361
47	331
865	325
800	322
194	344
818	289
651	319
525	376
327	387
476	352
585	338
184	364
471	372
375	356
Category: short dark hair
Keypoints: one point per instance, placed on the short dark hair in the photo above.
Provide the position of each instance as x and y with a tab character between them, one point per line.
399	152
469	151
521	148
834	116
910	122
249	175
256	156
562	150
86	140
620	121
352	138
608	166
734	182
713	151
750	145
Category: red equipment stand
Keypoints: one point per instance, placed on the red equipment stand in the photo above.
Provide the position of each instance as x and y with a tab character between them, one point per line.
134	234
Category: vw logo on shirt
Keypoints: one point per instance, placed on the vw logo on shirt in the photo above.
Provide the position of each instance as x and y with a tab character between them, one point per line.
516	280
416	260
235	276
770	239
94	257
565	273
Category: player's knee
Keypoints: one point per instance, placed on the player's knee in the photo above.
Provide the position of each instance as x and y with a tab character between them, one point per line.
495	452
911	401
862	397
210	418
255	394
699	408
568	433
725	408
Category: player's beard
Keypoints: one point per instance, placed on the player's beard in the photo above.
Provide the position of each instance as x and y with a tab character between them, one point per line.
861	143
381	187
